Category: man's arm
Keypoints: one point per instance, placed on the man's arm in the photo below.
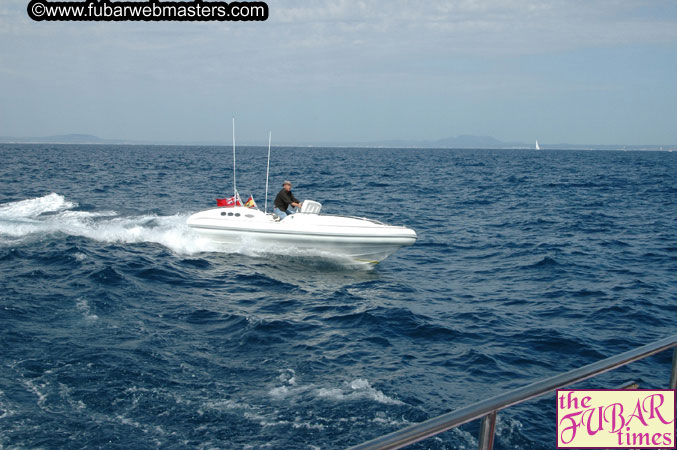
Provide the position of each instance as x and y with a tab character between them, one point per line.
295	201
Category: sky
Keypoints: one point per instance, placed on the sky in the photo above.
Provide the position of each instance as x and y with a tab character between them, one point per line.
574	71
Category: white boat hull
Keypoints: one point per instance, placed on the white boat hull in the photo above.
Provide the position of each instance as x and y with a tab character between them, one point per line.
360	240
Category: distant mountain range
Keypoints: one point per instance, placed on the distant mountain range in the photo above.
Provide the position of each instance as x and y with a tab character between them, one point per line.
462	141
62	139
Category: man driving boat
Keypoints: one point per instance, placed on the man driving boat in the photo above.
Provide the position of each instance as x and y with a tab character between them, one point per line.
285	202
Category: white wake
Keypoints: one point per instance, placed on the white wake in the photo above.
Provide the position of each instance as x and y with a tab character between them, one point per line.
53	214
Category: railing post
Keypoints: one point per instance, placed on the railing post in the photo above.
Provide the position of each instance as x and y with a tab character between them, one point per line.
673	374
487	432
629	385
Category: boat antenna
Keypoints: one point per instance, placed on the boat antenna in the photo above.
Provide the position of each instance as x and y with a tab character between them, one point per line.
270	137
234	185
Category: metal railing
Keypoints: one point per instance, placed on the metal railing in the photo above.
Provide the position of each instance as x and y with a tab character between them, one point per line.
488	409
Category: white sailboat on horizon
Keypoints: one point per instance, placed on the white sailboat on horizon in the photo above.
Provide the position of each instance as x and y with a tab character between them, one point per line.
537	146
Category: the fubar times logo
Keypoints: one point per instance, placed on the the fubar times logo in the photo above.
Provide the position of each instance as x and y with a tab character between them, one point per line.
616	418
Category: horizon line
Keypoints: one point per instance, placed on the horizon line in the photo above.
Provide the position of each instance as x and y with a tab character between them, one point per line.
89	139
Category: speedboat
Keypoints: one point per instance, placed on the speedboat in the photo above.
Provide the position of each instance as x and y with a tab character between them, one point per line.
359	239
313	234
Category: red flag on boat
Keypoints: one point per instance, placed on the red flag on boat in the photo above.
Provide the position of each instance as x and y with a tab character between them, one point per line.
228	202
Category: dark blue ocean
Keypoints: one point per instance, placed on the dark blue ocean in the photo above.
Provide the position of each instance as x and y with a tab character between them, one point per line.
121	329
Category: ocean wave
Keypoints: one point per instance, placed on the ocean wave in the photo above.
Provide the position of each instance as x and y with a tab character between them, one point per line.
545	262
5	408
83	306
107	275
355	390
395	321
35	207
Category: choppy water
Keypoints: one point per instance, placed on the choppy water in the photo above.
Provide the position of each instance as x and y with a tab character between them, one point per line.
121	329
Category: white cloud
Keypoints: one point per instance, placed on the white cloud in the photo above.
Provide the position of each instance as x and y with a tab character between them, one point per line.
468	26
315	51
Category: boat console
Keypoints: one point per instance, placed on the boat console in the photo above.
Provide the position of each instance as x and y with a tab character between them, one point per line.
311	207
